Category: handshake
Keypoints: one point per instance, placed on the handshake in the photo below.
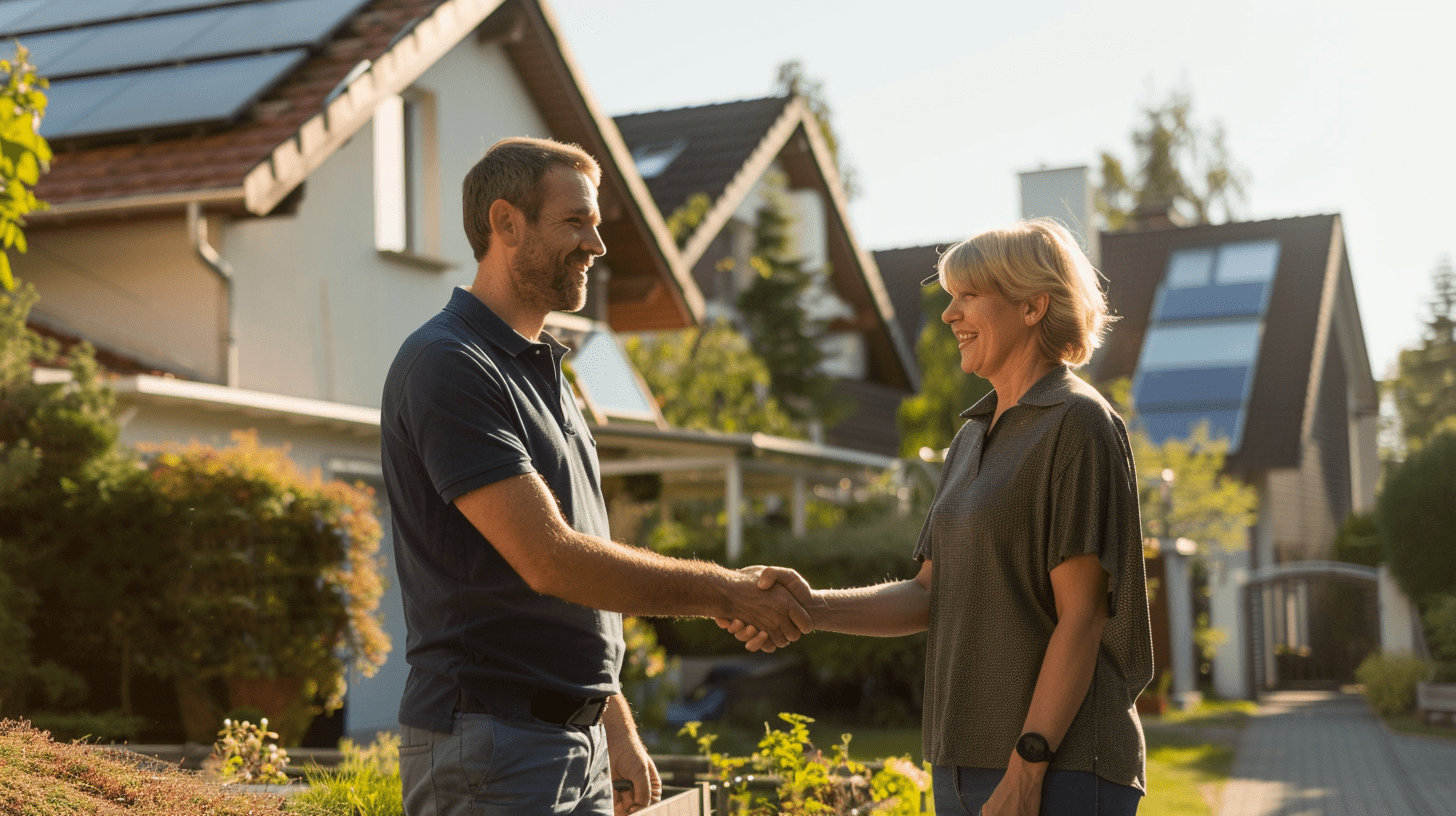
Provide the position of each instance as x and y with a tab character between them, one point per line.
772	611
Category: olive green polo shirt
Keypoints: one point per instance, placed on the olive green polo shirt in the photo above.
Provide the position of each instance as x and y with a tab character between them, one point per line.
1053	479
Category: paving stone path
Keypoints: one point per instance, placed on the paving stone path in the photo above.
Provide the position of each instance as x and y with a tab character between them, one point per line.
1327	754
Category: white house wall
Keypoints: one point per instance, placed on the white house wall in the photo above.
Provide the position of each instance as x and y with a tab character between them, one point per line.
321	311
134	287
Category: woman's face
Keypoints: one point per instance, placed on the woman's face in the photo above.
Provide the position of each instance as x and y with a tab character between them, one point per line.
995	336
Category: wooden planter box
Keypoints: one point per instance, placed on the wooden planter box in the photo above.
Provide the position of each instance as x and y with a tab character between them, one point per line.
682	802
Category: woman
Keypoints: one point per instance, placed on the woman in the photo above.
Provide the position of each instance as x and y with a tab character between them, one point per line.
1037	603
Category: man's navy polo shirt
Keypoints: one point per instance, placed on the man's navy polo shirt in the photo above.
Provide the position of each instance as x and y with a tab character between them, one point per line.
468	402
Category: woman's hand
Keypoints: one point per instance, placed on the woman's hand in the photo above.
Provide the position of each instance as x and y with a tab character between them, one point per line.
1019	793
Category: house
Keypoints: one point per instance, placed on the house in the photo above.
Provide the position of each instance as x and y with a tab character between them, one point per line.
735	156
253	203
1253	327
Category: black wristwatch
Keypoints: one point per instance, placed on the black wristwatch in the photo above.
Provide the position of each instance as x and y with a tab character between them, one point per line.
1033	747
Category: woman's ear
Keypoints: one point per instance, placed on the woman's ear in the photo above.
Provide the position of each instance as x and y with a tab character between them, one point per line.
505	222
1034	308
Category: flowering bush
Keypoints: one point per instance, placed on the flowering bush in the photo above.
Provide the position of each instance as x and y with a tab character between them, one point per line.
243	754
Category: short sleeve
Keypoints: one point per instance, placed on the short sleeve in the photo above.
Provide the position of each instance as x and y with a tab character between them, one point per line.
460	413
1094	500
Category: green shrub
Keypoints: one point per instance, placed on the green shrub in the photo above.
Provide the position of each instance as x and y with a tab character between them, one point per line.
1440	625
108	726
366	783
1390	682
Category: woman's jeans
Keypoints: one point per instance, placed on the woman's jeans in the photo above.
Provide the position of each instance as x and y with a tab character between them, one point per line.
962	792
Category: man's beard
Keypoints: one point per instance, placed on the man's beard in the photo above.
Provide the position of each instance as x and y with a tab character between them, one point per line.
547	283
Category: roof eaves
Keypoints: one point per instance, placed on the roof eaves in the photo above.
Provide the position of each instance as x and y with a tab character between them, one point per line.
291	162
1329	287
145	202
743	181
256	403
873	281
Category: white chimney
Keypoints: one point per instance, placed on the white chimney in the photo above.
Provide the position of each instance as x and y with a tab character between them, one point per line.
1065	194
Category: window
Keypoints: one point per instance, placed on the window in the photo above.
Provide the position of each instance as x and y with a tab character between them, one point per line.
653	159
406	176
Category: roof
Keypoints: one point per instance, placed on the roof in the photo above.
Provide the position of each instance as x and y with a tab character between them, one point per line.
302	98
1312	284
902	270
723	150
717	142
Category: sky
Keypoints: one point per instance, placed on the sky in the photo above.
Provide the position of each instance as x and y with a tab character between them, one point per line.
1331	107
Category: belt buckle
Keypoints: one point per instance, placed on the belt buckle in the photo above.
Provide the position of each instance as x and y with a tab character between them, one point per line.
597	707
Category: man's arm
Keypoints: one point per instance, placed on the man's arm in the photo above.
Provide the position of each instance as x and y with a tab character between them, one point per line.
890	609
629	760
521	518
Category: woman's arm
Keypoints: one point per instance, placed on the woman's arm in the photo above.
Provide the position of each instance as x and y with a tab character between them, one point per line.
890	609
1079	586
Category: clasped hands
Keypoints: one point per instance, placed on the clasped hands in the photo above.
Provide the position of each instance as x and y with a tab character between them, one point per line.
760	623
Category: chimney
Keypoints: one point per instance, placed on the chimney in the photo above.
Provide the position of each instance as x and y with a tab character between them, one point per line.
1065	194
1158	215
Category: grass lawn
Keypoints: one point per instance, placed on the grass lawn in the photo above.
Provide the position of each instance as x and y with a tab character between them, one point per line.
1190	755
1408	724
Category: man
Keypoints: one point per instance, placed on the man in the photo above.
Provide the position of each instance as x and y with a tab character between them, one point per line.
512	586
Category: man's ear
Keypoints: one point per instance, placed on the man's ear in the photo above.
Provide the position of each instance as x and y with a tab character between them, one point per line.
505	222
1034	308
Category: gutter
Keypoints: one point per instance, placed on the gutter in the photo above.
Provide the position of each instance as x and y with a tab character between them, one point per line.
197	236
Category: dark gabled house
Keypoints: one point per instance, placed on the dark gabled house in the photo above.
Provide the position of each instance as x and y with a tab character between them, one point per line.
734	154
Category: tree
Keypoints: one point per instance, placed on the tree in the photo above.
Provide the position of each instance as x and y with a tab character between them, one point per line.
793	81
24	154
1179	165
707	378
1417	519
779	329
1200	502
930	418
1424	386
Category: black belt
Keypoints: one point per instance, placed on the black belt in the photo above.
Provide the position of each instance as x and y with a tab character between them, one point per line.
548	706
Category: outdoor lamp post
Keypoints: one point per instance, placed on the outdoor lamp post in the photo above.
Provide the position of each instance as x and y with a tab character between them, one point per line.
1179	588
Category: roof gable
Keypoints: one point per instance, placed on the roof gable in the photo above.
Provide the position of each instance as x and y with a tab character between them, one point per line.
751	136
1296	330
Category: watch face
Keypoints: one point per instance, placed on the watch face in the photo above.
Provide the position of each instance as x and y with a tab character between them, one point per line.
1033	748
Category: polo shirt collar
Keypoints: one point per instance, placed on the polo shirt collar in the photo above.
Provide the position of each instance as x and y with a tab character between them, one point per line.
1052	389
466	306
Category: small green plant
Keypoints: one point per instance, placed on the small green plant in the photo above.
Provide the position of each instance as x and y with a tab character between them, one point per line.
810	782
1390	682
249	754
366	783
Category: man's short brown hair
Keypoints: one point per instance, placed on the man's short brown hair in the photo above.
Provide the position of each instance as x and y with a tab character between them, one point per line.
512	169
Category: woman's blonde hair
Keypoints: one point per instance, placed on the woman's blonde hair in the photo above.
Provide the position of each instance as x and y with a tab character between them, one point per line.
1027	259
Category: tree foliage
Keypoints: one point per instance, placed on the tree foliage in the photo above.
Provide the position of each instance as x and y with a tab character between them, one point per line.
24	153
1417	519
707	378
57	456
1202	502
1424	386
779	329
1177	164
930	418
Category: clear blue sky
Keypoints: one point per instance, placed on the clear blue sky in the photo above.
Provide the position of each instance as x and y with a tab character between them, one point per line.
1333	106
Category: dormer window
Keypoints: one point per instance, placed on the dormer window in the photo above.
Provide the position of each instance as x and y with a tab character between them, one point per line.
653	159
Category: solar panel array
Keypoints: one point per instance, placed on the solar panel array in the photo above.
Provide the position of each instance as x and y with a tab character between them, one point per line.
128	65
1197	362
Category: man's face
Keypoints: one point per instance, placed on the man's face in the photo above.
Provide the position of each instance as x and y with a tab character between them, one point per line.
549	269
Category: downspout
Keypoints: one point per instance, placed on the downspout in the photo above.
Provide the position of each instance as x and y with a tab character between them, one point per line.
197	235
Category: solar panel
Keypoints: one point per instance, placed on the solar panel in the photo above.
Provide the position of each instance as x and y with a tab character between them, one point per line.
14	11
118	46
22	16
1233	300
200	92
47	49
1179	425
606	376
263	26
1204	388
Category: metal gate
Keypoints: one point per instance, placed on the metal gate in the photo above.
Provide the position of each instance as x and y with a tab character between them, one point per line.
1309	624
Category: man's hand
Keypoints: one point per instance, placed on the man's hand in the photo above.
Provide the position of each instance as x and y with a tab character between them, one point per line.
629	761
772	579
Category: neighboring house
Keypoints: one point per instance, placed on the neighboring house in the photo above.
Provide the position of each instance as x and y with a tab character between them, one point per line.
253	203
739	155
1254	328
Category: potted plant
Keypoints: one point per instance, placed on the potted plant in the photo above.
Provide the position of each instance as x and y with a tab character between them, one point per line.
272	582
